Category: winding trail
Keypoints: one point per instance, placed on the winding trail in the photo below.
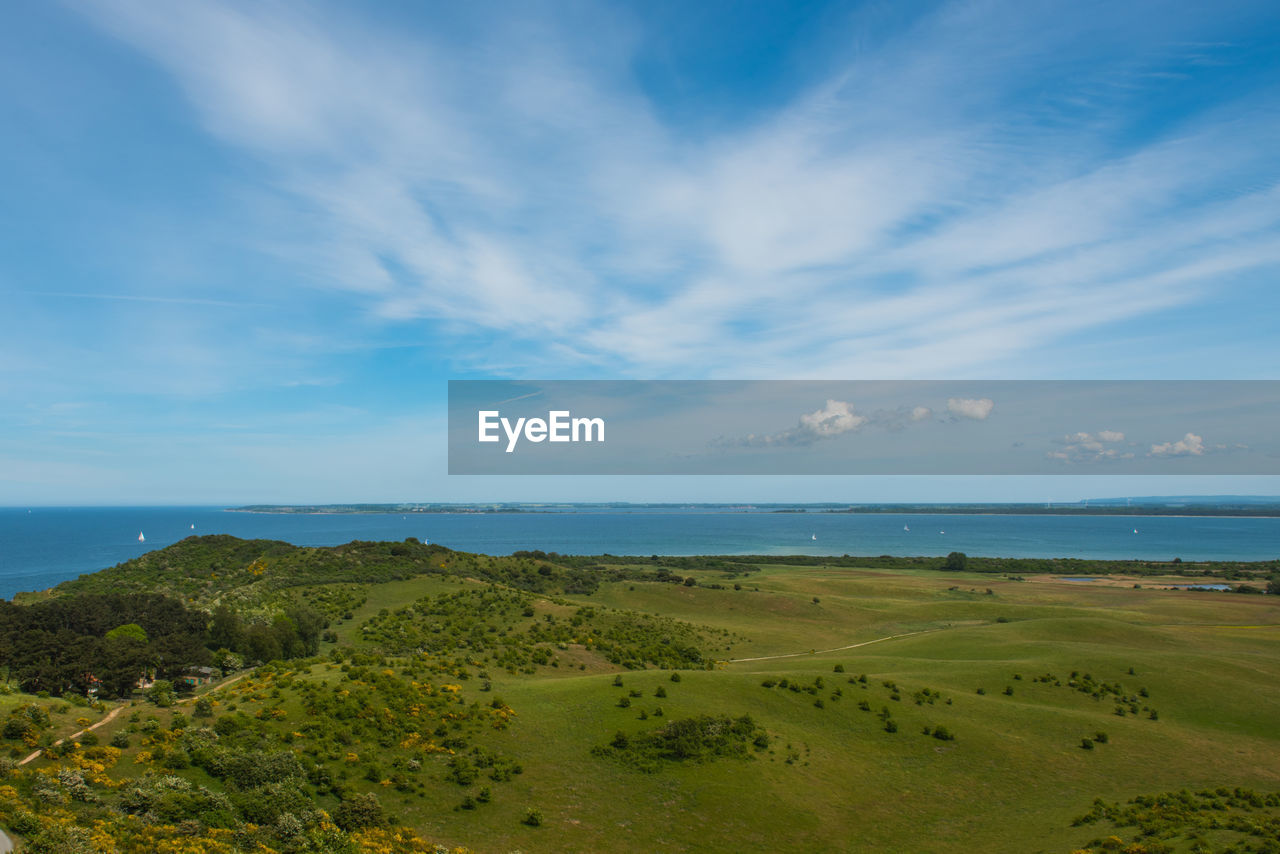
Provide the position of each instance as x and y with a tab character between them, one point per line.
110	717
6	844
835	649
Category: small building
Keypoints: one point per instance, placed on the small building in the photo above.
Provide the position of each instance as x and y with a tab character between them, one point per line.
197	676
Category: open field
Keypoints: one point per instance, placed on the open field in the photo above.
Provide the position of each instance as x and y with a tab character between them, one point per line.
1183	686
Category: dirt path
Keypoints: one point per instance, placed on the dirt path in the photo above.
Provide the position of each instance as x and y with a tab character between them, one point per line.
110	717
835	649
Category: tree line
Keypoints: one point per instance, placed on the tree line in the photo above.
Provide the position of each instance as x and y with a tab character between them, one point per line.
105	643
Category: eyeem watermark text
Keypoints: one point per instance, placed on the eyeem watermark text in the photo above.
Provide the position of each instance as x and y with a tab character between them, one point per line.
558	426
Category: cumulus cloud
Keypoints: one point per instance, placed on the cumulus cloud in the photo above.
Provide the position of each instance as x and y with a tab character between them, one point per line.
1189	445
833	419
836	418
1085	447
978	409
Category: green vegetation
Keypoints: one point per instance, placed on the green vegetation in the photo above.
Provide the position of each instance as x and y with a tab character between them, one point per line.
1237	820
696	739
423	697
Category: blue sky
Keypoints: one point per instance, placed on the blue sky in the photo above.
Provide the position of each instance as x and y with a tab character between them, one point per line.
244	245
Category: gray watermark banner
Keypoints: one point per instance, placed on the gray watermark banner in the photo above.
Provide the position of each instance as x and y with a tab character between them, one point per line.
736	427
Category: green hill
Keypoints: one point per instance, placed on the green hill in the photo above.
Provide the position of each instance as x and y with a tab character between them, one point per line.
540	703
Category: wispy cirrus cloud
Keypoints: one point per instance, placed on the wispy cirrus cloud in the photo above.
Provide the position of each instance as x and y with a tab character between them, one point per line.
918	211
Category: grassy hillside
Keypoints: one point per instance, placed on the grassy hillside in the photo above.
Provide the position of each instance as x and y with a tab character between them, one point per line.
484	703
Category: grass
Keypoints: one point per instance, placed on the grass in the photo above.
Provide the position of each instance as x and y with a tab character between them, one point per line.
832	777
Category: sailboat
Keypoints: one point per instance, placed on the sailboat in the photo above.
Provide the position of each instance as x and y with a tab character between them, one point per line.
193	526
141	537
905	528
813	536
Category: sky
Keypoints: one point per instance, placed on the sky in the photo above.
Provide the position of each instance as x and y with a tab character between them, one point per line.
244	246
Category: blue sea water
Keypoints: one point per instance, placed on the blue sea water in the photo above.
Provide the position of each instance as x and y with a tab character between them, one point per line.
41	547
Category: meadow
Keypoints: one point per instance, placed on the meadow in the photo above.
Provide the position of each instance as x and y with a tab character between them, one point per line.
792	708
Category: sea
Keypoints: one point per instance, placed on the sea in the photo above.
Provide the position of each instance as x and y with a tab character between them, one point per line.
43	546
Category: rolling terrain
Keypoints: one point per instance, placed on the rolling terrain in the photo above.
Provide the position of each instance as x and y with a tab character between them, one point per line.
539	703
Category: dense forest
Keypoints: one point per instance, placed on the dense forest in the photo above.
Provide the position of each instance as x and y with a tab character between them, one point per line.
108	644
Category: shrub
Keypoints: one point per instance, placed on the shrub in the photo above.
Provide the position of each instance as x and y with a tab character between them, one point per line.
1086	743
359	811
839	668
161	693
532	817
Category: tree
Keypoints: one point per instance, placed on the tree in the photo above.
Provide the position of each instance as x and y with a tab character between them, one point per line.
161	693
956	562
226	629
128	630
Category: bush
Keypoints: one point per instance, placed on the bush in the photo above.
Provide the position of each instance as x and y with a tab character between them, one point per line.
359	811
1086	743
161	693
532	817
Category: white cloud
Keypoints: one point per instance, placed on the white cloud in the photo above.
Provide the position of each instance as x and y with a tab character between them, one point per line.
833	419
921	413
543	198
1084	447
1189	445
836	418
977	409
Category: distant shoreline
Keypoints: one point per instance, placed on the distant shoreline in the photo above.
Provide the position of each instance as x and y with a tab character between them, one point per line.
1259	510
